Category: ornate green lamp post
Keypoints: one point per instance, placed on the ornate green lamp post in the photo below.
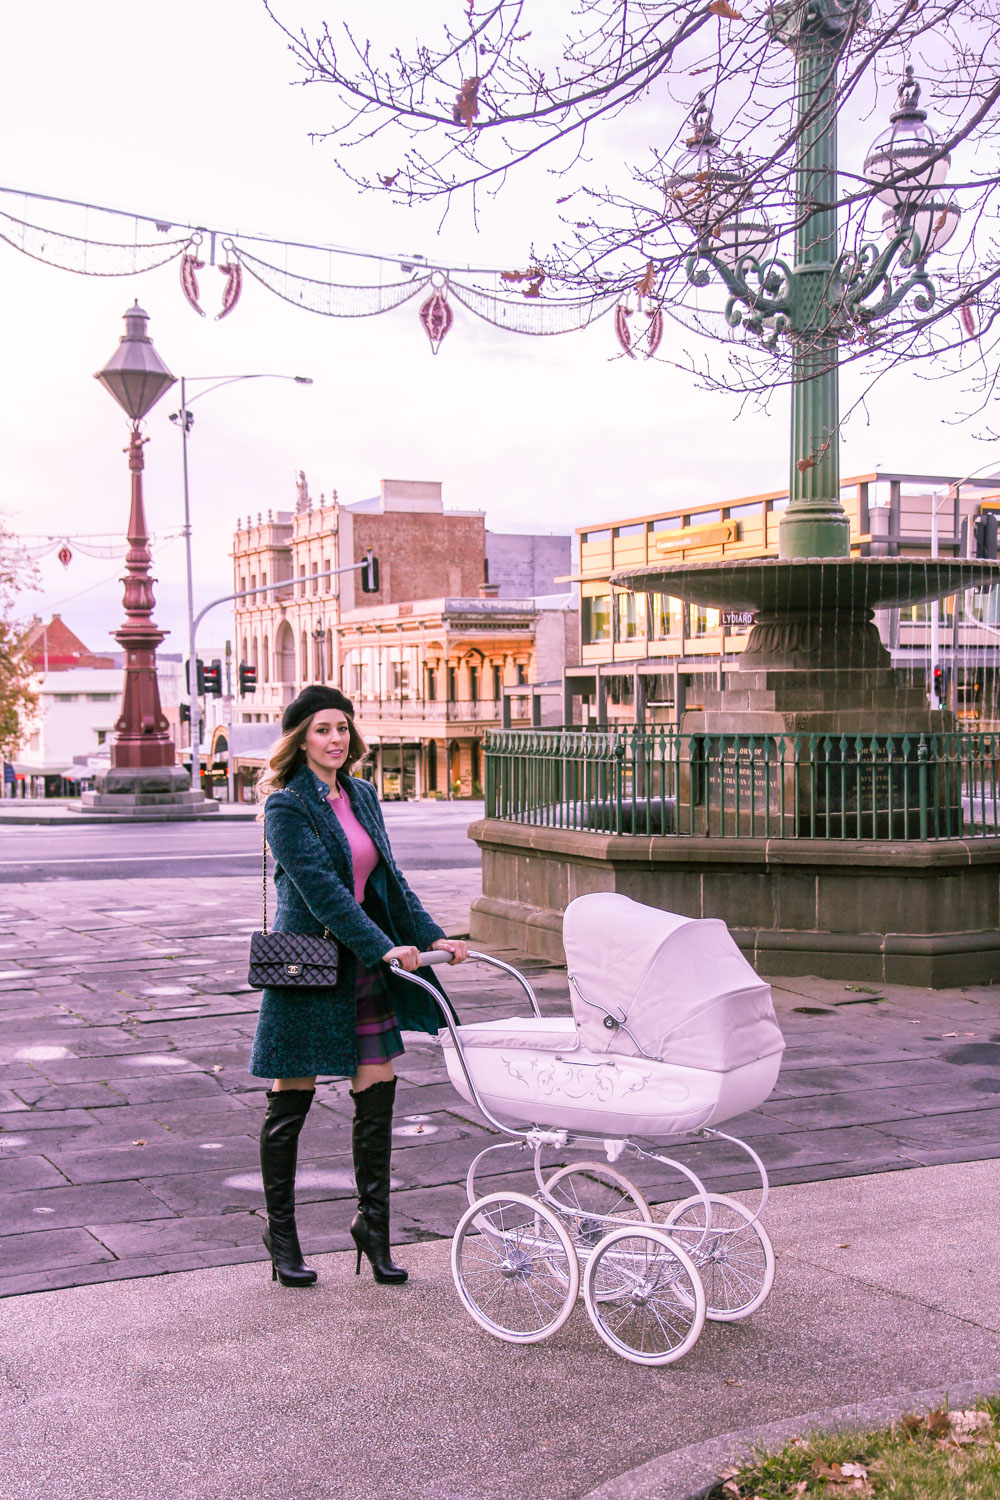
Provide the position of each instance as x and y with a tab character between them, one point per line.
827	294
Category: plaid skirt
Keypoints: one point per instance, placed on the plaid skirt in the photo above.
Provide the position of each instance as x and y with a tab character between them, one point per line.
378	1032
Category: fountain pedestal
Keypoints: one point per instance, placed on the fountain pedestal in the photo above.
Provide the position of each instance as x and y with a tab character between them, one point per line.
830	832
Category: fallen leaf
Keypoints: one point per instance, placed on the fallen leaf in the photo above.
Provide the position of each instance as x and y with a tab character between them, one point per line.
731	1380
946	1034
138	1143
723	8
938	1423
969	1421
854	1471
844	1245
217	1068
731	1488
802	1486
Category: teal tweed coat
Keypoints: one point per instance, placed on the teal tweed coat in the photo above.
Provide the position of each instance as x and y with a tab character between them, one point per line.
300	1032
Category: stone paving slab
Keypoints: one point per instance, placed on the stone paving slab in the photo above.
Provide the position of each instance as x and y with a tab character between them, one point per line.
140	1049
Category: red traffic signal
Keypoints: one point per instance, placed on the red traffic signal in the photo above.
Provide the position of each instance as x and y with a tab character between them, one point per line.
212	677
939	684
248	679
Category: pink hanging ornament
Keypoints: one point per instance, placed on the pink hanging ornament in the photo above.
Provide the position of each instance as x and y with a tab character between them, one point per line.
654	333
436	317
64	555
190	264
233	272
622	331
968	318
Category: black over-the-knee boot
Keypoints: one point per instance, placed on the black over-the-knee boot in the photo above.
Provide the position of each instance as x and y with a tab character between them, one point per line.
279	1140
372	1144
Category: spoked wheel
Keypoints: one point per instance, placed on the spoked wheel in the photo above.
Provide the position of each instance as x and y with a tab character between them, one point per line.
589	1194
644	1296
734	1258
515	1267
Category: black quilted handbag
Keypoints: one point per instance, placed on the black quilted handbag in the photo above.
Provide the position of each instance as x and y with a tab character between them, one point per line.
291	960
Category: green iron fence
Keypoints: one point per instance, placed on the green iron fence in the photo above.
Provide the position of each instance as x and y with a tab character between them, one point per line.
660	782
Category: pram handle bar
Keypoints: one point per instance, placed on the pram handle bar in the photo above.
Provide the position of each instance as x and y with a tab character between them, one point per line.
441	955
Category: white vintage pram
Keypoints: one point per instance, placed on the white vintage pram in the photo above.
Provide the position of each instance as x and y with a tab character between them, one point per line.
671	1033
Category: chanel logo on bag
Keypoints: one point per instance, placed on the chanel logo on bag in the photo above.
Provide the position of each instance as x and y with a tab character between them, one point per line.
293	968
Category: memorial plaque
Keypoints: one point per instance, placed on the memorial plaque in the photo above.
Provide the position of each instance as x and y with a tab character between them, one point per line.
738	619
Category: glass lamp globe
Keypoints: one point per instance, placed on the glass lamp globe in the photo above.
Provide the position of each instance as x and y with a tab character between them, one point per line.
704	186
745	232
902	165
932	220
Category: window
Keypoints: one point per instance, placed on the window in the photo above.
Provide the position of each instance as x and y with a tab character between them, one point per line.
65	697
327	582
263	584
329	653
357	677
302	574
666	523
627	616
701	620
497	681
595	619
100	697
255	658
522	674
473	683
314	569
399	677
734	512
431	685
635	529
267	660
596	536
102	736
35	741
664	616
703	518
304	656
452	684
253	582
243	584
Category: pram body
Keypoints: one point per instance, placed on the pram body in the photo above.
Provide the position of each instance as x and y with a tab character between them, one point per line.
671	1033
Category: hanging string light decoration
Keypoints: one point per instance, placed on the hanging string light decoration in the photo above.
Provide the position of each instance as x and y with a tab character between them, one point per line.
488	293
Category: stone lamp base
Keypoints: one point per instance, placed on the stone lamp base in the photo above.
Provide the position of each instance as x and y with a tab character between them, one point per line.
147	794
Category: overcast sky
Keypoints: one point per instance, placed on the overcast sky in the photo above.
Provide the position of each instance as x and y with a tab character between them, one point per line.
189	111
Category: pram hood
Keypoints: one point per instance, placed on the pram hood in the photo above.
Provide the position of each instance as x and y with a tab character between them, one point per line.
680	985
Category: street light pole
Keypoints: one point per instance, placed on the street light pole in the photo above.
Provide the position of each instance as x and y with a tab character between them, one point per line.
185	420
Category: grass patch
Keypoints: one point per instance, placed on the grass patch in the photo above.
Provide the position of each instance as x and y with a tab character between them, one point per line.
937	1455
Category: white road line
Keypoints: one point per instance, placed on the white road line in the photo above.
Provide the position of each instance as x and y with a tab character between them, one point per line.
126	859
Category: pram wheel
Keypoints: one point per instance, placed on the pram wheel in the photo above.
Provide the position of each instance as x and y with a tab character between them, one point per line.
515	1267
644	1296
734	1258
589	1193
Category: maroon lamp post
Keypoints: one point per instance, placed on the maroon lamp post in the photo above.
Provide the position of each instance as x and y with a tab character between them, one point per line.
143	769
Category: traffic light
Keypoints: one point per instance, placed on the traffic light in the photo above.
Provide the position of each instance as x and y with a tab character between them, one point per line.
185	713
369	574
984	534
200	676
211	678
940	684
248	679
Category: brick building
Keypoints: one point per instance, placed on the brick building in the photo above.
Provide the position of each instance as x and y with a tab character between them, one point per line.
461	621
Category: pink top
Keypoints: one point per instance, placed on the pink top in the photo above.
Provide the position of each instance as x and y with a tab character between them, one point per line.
364	855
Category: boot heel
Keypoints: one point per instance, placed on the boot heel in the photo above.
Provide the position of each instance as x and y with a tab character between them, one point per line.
274	1271
357	1267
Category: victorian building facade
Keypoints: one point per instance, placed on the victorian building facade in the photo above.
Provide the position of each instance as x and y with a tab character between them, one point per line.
465	632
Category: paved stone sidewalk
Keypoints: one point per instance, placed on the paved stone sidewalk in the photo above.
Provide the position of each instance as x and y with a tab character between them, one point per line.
128	1122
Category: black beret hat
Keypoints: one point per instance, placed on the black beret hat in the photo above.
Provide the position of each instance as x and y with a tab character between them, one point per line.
312	700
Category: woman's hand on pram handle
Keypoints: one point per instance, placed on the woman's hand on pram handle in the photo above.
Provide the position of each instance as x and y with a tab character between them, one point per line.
403	958
457	950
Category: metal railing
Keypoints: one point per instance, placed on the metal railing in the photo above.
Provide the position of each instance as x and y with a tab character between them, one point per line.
883	786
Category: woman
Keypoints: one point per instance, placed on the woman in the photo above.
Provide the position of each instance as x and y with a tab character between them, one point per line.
333	869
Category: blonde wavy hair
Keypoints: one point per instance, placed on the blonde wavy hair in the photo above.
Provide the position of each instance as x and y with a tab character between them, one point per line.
287	757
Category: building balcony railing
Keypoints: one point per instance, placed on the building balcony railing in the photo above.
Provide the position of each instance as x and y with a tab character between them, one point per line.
880	786
470	710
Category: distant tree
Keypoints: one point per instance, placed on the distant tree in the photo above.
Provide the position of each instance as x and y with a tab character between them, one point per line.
18	700
502	85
